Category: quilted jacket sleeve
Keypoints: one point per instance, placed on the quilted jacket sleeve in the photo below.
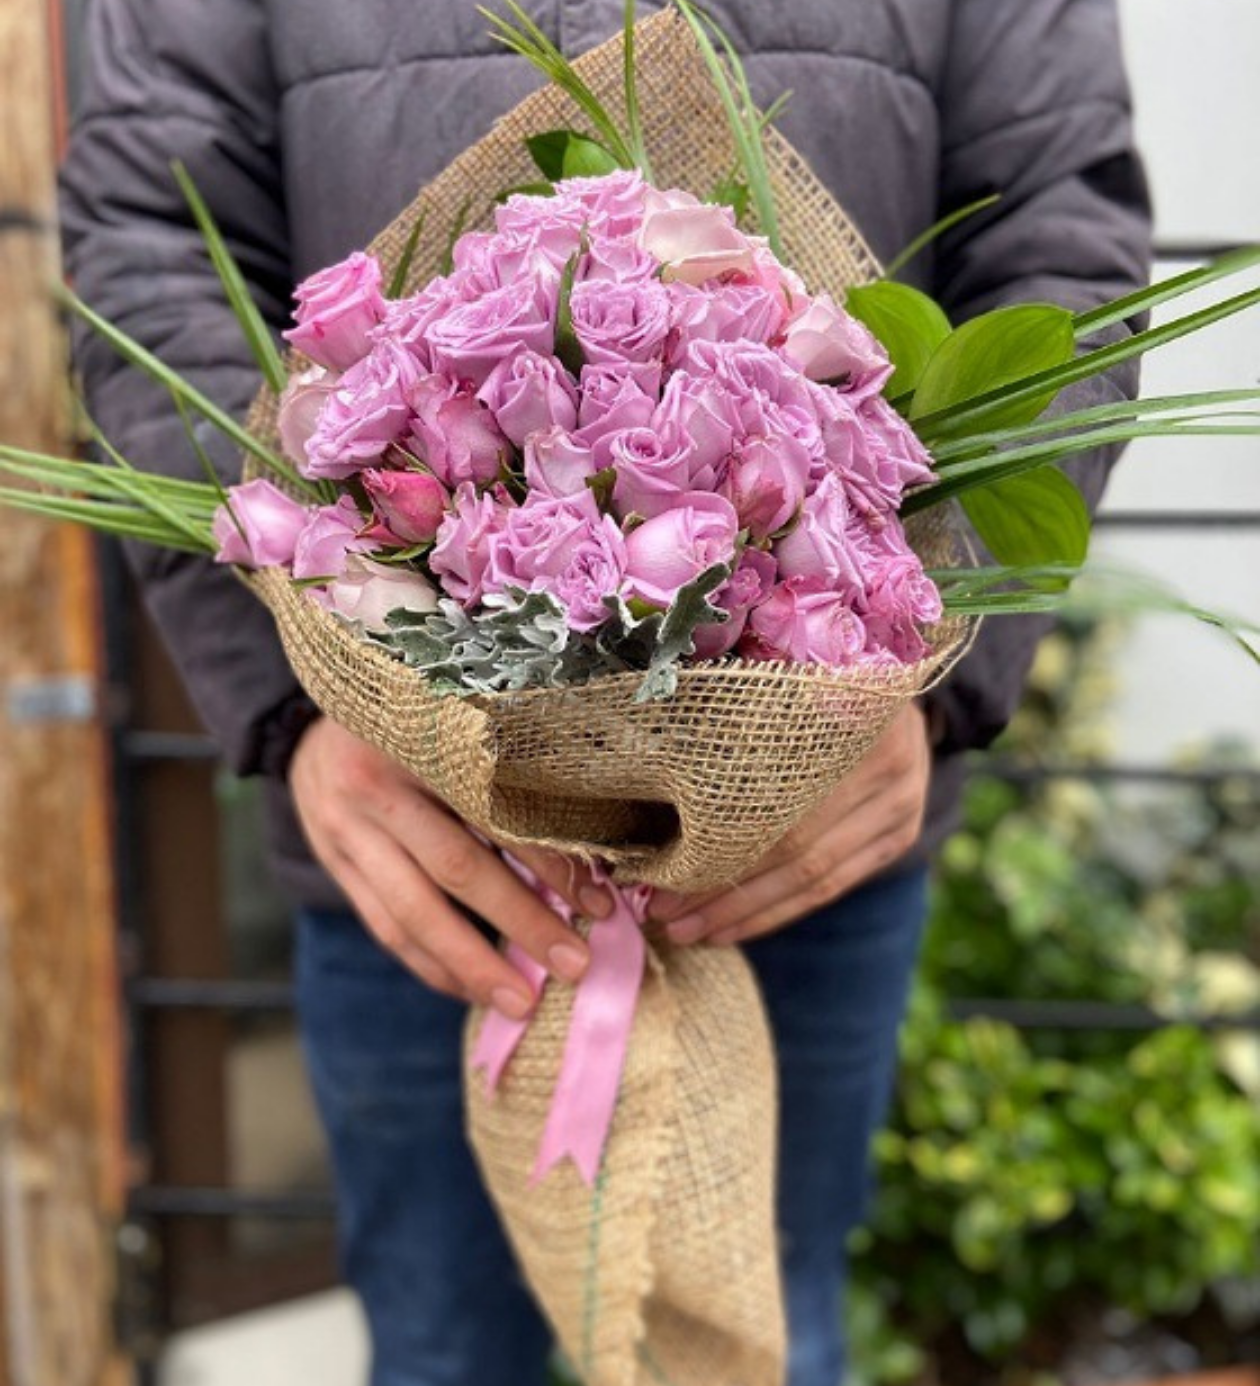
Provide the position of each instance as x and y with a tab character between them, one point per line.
182	79
1035	107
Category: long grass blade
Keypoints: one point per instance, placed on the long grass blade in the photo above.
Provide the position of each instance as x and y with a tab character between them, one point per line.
119	519
935	231
634	125
398	281
1108	314
261	343
146	361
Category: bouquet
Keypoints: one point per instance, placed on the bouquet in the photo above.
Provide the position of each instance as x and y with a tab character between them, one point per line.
628	530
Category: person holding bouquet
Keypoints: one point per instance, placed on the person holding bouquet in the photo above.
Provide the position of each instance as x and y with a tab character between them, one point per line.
306	126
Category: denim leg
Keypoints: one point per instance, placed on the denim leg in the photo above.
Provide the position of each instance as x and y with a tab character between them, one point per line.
835	986
420	1241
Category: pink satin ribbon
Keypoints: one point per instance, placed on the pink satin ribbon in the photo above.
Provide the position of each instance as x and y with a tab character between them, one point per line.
599	1032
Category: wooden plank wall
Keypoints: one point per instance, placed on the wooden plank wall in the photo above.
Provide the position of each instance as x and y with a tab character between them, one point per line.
60	1077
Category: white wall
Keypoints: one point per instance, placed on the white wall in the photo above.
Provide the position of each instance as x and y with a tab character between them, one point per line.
1196	76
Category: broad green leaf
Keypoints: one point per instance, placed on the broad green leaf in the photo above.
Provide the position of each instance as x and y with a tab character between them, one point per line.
566	154
254	327
983	413
909	325
993	351
1036	518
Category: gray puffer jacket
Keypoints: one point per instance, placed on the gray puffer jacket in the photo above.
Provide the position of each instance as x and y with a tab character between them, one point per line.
309	123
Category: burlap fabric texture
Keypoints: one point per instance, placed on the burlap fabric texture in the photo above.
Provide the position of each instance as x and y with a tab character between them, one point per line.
667	1271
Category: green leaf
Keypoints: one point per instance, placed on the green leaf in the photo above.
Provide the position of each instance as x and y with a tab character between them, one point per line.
1037	518
630	90
909	325
568	348
935	231
676	636
601	485
457	230
988	410
566	154
398	281
994	350
732	192
261	343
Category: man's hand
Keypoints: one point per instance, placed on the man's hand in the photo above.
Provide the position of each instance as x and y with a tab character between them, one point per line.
399	854
871	819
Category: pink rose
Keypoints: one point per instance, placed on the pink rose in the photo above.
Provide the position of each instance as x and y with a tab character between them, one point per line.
462	553
487	261
612	398
608	206
337	310
676	546
695	241
765	479
702	410
455	434
265	530
556	465
409	504
871	448
898	597
620	322
330	535
721	313
653	467
527	393
615	261
301	403
827	344
407	320
367	592
746	587
804	621
768	395
819	545
469	340
364	414
564	547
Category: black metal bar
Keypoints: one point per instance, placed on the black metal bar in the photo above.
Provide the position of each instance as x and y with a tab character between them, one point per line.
1135	774
1091	1015
1194	520
177	993
287	1205
1195	250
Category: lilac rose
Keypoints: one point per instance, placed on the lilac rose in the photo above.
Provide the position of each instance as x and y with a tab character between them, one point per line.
461	555
746	587
899	599
805	621
556	464
301	403
469	340
528	393
564	547
702	410
765	479
261	529
819	545
675	547
337	310
454	433
331	534
610	205
621	322
365	413
653	469
826	343
612	398
768	394
729	312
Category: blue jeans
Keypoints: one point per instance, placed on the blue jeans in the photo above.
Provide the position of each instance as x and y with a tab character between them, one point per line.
420	1243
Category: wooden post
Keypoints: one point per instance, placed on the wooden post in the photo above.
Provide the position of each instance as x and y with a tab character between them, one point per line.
61	1138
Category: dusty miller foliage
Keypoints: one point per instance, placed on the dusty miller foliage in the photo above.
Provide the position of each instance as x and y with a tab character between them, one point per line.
520	640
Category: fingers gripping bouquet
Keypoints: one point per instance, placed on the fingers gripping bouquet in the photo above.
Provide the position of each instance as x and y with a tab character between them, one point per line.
597	512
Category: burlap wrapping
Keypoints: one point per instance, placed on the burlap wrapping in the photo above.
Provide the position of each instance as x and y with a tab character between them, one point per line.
667	1272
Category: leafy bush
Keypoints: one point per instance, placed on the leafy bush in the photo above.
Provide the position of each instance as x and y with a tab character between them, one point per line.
1027	1174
